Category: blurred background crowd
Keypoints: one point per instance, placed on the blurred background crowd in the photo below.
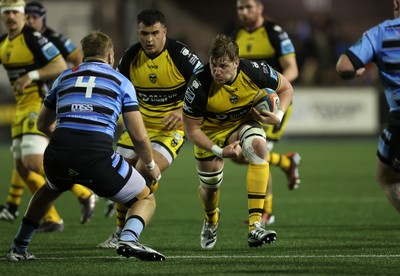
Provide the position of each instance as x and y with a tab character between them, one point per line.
320	29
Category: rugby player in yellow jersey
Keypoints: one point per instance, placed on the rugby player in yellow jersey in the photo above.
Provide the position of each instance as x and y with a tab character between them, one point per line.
29	59
159	68
36	18
263	40
219	118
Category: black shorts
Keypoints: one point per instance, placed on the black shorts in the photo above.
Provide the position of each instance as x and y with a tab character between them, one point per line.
389	143
104	172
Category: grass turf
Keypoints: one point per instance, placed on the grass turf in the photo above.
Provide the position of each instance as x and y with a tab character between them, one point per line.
337	223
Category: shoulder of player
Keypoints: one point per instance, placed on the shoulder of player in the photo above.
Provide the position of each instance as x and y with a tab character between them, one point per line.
50	33
177	49
131	52
31	34
2	37
203	76
258	72
272	27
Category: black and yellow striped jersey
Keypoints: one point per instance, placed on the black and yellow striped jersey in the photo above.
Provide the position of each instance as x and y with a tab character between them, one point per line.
160	82
26	52
227	105
267	43
66	46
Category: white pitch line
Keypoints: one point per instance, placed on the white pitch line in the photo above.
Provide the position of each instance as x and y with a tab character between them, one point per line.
230	257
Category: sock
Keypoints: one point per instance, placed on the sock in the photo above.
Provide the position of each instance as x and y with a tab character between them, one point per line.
81	191
120	212
134	226
211	208
256	184
24	235
15	192
34	181
279	160
268	204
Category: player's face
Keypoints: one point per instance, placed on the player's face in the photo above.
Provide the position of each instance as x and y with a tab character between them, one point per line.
152	38
34	21
248	12
223	70
13	20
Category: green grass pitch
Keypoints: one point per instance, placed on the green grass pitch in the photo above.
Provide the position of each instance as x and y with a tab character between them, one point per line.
337	223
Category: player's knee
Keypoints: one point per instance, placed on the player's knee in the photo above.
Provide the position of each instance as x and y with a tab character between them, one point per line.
211	180
22	170
254	144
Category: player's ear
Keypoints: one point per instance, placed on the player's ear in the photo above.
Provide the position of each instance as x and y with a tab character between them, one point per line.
110	58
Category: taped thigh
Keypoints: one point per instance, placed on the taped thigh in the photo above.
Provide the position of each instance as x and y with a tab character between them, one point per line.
211	180
16	148
33	144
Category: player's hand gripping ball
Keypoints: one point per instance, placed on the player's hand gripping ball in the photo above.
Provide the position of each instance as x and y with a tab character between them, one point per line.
266	99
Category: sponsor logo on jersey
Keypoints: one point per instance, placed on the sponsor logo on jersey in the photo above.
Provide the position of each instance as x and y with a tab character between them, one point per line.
189	96
185	51
255	64
188	109
50	51
287	47
81	107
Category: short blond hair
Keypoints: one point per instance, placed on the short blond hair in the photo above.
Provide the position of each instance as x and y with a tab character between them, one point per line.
96	44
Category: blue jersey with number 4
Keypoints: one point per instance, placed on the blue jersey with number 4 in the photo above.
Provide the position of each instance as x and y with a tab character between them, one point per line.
381	45
90	97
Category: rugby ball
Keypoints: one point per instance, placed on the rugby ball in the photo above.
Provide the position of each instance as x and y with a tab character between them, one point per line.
266	99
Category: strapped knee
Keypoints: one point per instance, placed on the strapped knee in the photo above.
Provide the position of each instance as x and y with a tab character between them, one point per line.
246	136
211	180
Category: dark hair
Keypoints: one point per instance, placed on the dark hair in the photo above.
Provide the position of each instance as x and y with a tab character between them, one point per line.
36	8
223	46
150	17
96	44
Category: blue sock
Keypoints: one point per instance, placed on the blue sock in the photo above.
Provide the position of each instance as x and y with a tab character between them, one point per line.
133	228
24	235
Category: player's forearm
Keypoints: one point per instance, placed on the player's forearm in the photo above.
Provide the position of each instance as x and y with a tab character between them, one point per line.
51	70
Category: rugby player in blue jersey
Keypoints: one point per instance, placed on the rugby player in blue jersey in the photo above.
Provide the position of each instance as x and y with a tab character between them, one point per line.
85	103
381	45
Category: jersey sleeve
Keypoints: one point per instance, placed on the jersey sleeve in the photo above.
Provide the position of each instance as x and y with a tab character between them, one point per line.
195	100
44	50
185	60
362	52
262	74
279	39
129	100
66	46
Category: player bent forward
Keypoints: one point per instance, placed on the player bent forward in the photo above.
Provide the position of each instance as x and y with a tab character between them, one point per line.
86	102
220	121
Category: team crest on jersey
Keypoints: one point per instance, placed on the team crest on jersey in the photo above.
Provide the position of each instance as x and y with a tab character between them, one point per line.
31	119
176	140
153	78
233	99
248	47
